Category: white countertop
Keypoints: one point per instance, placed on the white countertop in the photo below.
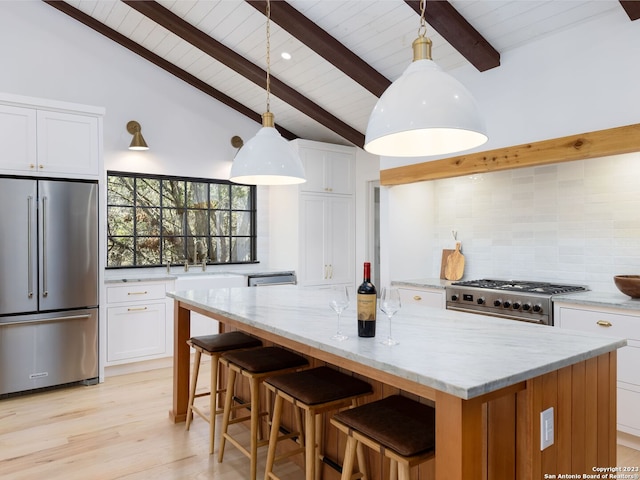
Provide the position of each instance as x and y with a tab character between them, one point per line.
463	354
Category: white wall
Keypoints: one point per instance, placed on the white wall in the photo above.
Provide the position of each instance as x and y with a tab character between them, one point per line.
575	222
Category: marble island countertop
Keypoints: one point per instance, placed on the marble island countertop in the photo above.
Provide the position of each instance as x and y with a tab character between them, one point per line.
463	354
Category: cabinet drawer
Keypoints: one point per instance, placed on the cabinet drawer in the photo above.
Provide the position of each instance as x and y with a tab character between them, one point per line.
425	298
136	331
604	323
628	412
628	361
138	292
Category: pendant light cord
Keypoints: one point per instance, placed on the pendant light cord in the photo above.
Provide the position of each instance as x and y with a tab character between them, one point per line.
422	29
268	55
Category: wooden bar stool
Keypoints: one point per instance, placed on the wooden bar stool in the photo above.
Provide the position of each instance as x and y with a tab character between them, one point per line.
313	391
213	346
256	365
400	428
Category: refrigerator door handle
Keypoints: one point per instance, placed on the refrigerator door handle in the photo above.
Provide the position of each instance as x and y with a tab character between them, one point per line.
29	249
45	320
45	291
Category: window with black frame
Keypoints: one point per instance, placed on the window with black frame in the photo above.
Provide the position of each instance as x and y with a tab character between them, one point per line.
153	220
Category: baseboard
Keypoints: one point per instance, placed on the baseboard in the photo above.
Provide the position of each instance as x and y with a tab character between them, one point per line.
134	367
628	440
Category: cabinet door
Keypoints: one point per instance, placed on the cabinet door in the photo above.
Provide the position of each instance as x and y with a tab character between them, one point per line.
68	145
425	298
340	239
17	139
339	172
326	240
313	261
136	331
327	171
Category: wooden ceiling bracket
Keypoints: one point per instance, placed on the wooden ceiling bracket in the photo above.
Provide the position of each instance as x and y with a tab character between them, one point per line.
601	143
459	33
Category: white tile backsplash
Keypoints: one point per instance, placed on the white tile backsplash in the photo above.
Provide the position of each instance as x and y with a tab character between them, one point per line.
575	222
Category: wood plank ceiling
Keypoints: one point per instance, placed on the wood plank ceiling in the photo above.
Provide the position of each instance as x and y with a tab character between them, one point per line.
344	54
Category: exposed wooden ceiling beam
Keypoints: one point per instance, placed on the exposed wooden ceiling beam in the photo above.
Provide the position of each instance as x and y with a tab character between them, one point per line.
632	7
601	143
161	62
459	33
324	45
241	65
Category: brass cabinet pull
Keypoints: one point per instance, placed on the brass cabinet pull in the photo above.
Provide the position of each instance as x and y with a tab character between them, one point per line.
136	309
604	323
417	298
137	293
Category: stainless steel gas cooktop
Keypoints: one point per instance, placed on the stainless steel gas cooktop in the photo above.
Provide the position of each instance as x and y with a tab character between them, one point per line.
514	299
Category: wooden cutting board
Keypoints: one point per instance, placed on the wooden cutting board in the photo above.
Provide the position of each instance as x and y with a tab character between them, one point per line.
454	268
445	255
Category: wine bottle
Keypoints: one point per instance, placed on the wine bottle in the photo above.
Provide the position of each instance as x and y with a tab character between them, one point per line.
367	303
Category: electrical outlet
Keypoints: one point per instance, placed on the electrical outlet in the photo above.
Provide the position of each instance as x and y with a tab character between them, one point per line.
546	428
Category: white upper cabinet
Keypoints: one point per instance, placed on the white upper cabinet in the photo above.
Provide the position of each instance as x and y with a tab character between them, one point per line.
68	144
17	139
46	138
328	168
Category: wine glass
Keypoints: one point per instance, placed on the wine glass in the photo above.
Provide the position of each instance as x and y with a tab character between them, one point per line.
339	301
389	305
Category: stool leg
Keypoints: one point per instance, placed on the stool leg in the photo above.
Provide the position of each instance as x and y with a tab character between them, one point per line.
227	411
403	471
255	418
318	451
310	444
362	461
273	438
393	469
213	401
192	389
349	457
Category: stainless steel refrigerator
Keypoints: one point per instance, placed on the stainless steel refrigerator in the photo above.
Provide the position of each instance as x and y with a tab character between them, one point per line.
48	283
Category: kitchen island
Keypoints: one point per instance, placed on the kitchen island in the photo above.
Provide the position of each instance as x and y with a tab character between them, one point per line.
489	378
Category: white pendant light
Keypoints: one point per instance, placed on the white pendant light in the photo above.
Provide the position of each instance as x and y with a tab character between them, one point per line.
267	159
424	112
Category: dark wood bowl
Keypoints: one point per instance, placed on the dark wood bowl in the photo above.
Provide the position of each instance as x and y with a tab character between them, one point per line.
628	284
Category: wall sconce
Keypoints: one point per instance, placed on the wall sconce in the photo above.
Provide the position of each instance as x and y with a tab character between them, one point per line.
137	142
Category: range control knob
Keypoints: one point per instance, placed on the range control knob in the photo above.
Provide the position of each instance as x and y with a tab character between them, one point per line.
526	307
481	301
454	297
537	308
497	303
506	304
516	305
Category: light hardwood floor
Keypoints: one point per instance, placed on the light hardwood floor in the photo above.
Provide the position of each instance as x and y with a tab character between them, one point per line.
120	430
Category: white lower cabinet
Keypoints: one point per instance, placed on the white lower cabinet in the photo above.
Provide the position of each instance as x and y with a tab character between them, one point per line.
426	297
139	322
613	323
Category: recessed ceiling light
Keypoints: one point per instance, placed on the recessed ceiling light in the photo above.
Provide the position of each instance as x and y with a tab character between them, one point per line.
286	55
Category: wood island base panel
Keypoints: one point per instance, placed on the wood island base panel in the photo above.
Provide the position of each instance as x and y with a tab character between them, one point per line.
489	380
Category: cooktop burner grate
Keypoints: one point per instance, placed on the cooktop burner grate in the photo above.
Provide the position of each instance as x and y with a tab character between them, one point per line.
522	286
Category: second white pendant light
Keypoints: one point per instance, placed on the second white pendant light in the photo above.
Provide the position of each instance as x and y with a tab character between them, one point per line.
425	112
